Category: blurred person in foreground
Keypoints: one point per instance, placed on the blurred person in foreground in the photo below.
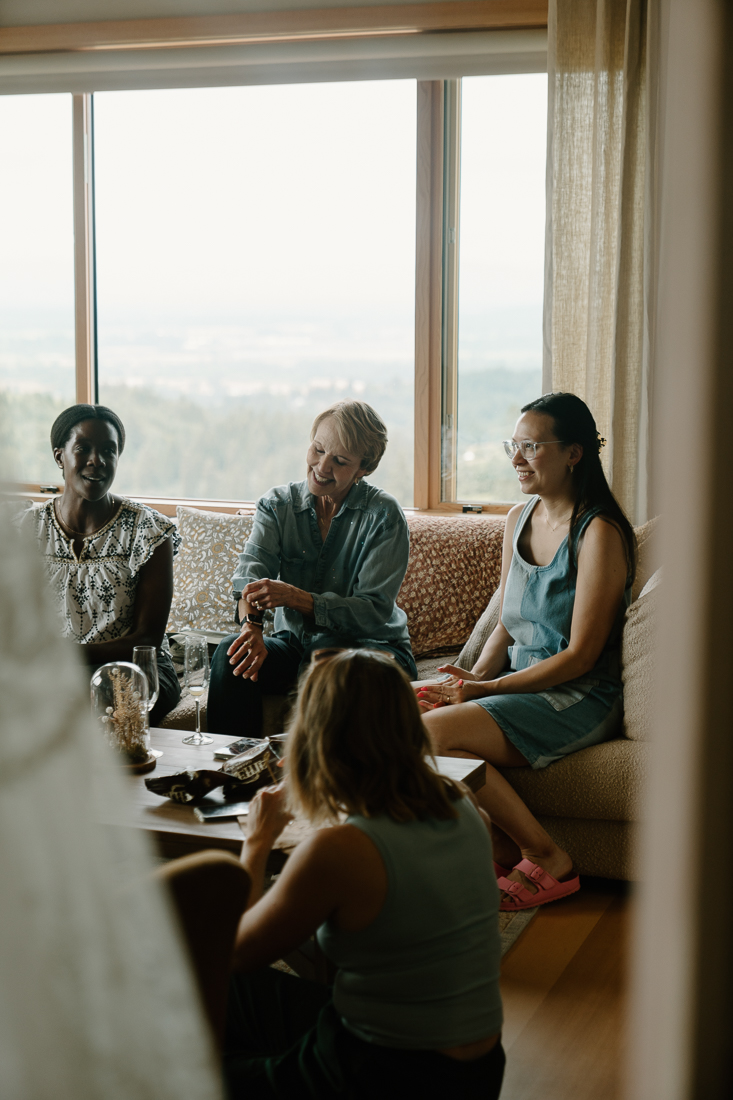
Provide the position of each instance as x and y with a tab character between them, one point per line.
400	893
109	560
95	995
328	555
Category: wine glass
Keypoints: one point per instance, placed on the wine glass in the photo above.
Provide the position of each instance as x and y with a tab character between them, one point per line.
196	664
146	659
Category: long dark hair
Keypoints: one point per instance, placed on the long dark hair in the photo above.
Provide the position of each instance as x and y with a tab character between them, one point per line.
573	422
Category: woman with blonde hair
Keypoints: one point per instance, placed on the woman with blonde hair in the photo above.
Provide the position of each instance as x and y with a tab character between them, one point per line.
397	890
328	555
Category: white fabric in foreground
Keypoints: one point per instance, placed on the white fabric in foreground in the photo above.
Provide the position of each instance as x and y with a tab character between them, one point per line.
96	1000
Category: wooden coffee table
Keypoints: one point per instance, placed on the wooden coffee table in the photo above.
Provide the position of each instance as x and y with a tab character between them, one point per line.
175	829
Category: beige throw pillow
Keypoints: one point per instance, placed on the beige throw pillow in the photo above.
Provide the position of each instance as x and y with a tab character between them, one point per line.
638	645
471	651
211	543
647	537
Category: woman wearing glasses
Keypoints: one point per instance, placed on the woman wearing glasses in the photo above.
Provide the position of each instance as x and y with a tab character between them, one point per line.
548	680
395	893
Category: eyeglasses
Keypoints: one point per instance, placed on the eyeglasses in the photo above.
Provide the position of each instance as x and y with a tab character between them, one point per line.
526	446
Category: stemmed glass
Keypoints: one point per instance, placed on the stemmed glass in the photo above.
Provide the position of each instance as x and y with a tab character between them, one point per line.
196	664
146	658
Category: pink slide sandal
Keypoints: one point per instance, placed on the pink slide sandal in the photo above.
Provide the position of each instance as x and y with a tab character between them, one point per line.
548	888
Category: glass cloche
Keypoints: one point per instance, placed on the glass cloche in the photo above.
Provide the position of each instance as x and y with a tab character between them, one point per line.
119	707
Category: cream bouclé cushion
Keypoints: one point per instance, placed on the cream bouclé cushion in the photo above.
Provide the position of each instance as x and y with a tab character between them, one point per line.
647	537
604	783
211	543
471	651
638	645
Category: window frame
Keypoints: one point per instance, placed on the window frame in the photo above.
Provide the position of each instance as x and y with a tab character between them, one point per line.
437	198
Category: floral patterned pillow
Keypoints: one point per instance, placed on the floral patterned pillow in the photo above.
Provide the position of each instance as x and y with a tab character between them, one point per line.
211	543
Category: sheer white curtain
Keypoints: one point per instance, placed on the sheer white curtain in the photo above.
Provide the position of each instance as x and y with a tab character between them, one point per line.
96	1002
600	277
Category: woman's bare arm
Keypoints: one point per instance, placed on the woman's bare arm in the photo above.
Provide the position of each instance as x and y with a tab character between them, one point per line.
602	576
337	873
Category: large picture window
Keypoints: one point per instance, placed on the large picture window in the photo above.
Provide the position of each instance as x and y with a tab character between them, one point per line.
247	255
503	127
255	262
37	377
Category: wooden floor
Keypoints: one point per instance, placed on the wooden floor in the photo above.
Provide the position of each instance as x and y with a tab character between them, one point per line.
564	991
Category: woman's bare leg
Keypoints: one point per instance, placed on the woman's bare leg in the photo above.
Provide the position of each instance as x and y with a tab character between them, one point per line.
468	730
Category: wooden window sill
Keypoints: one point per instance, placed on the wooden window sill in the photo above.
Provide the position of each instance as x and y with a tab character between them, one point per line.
168	505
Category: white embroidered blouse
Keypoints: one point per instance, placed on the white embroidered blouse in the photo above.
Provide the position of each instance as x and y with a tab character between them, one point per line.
95	593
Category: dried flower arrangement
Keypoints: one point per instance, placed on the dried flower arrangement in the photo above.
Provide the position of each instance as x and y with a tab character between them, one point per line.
124	723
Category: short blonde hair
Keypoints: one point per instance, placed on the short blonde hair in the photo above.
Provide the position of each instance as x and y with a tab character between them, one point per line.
361	430
357	743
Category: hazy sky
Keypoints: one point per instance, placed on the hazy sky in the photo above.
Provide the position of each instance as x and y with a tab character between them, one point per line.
298	197
37	230
294	197
503	153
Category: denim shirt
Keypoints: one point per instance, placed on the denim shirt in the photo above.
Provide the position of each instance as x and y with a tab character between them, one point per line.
353	576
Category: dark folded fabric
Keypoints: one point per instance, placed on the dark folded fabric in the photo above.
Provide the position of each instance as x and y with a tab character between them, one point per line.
239	777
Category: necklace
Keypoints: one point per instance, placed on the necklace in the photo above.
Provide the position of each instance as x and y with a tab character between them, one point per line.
64	524
559	523
67	529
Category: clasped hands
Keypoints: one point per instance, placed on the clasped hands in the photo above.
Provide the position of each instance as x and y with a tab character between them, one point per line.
248	652
266	595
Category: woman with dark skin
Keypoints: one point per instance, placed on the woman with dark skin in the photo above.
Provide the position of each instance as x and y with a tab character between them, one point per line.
109	559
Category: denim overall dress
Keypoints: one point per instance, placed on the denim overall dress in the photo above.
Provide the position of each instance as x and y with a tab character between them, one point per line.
537	612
